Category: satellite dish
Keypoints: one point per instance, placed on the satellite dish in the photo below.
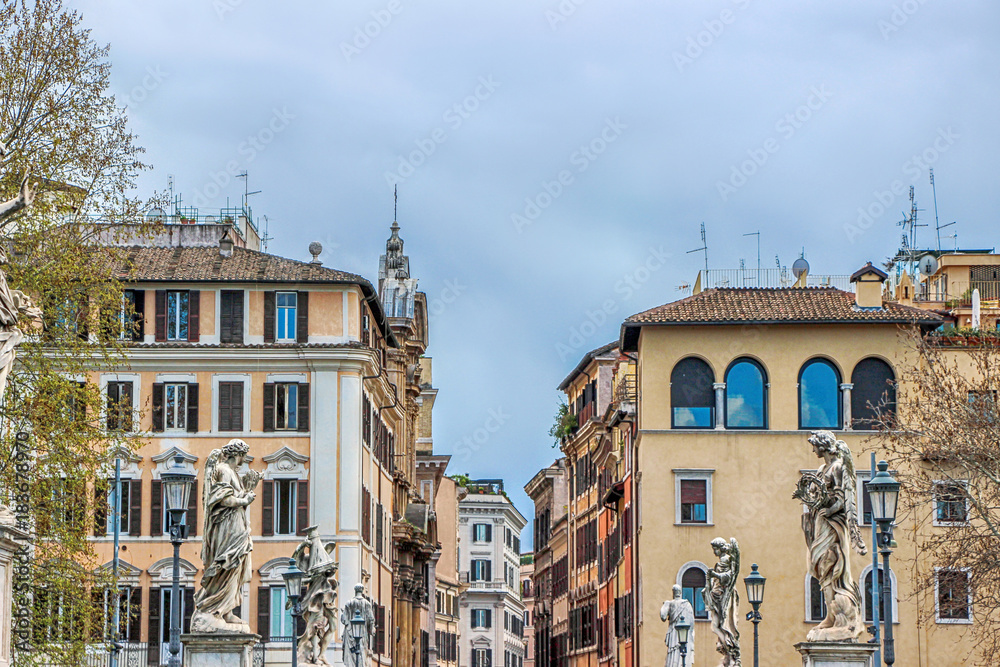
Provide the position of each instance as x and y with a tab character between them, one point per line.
800	267
209	219
155	215
928	265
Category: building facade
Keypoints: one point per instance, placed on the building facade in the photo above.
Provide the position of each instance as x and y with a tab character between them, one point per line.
491	609
528	599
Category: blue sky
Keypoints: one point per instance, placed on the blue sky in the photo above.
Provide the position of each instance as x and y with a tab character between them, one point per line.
555	158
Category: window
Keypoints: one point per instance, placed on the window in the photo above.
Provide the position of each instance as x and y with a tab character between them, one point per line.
815	602
692	396
284	506
819	396
286	399
481	570
864	500
482	532
129	610
285	303
482	618
482	657
175	407
983	404
231	316
954	597
177	315
129	324
281	618
693	588
119	416
124	502
882	606
746	395
951	505
230	406
874	390
692	497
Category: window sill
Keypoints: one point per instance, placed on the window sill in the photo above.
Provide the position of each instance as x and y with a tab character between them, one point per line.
951	524
694	525
953	621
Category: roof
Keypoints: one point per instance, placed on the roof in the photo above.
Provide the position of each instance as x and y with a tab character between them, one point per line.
587	358
206	264
785	305
866	269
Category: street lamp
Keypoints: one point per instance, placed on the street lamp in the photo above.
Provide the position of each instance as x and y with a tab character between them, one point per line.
755	595
357	632
177	482
683	628
293	587
884	493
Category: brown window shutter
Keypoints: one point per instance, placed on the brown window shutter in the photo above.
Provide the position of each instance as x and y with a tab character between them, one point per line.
156	508
269	315
264	613
237	333
135	508
161	315
153	636
302	318
268	407
236	407
192	513
192	408
125	407
188	608
267	507
231	316
138	315
101	489
158	407
303	407
194	316
225	405
379	629
134	610
302	507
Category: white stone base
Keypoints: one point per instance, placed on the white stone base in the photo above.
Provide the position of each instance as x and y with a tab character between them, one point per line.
836	654
219	649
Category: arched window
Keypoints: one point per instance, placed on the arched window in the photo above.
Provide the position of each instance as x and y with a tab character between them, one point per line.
867	590
746	397
693	588
815	603
874	387
692	397
819	395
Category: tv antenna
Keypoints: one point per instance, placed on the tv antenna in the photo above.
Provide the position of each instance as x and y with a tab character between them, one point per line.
757	234
910	225
703	248
246	189
266	237
395	202
937	223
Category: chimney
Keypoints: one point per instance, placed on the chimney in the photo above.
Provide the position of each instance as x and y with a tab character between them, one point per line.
868	288
226	245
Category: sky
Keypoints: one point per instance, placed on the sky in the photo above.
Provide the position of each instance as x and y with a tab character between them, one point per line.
555	159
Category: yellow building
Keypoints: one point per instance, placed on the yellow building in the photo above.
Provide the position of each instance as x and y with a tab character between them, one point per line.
730	383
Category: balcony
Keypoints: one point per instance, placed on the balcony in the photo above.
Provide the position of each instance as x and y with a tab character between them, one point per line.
769	278
623	401
959	294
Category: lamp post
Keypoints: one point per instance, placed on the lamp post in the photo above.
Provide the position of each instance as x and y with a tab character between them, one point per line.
683	628
884	493
755	595
177	481
357	632
293	587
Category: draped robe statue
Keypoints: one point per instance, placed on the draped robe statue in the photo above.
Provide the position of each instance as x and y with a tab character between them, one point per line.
226	545
319	602
672	611
722	600
356	649
830	524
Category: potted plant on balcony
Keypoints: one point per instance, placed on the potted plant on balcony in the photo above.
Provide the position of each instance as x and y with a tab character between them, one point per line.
564	425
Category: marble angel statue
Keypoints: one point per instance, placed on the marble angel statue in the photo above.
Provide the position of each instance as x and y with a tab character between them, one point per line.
722	600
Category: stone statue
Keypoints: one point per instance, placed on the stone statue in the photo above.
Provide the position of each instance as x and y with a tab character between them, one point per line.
319	602
830	524
672	612
226	544
356	649
722	600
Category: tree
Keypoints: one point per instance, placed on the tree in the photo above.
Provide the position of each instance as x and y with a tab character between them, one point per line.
60	125
945	443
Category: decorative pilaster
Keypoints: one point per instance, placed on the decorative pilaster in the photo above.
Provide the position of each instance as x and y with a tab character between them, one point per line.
720	405
845	393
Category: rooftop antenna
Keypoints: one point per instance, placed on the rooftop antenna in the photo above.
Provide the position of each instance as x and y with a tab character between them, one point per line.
937	223
395	202
246	189
757	234
703	248
264	239
910	225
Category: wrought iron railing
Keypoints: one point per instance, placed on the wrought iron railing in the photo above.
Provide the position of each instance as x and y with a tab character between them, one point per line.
959	294
769	278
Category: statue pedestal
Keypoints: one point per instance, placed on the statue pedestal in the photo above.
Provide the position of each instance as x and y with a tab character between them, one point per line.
835	654
11	541
220	649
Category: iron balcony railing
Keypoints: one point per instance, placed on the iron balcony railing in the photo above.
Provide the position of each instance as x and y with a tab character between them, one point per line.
959	295
769	278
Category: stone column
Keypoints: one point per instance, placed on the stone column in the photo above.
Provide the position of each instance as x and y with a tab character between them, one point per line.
720	405
835	654
845	393
11	541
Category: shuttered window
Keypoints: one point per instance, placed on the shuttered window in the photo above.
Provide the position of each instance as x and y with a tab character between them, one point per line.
286	406
231	406
120	410
286	317
175	407
231	316
694	501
